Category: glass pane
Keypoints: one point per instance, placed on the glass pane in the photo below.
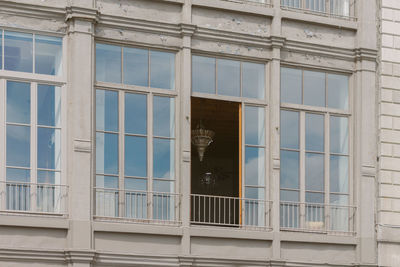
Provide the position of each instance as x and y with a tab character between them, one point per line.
315	211
291	83
254	166
228	77
49	105
162	70
314	88
18	146
253	80
136	66
254	126
203	74
48	177
136	156
164	159
18	102
254	193
1	49
339	212
314	172
106	181
314	132
288	195
164	116
314	197
339	174
339	135
108	63
18	175
340	8
106	110
339	199
136	184
49	148
106	153
338	91
135	113
163	186
48	55
18	50
289	169
289	129
291	3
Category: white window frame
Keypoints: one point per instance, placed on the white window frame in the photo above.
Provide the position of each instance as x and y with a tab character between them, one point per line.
327	112
34	80
150	93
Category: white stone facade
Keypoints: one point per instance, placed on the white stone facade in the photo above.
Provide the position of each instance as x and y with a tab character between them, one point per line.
260	31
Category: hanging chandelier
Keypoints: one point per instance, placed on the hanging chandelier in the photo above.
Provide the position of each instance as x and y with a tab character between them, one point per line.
201	139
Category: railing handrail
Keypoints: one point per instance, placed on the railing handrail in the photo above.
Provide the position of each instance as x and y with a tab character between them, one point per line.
29	183
317	204
229	197
136	191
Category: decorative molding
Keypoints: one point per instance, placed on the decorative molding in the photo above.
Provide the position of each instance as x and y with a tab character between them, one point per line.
187	29
81	13
276	164
186	156
80	256
368	171
33	11
366	54
277	41
84	146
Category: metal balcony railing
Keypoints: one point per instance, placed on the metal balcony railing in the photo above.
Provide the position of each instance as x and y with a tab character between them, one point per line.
33	198
230	211
140	206
256	2
333	8
312	217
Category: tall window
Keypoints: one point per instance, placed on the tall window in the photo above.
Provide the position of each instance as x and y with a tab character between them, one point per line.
334	7
315	151
31	177
238	154
135	133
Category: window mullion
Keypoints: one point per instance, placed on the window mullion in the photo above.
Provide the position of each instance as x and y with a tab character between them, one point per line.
327	170
2	143
34	136
121	160
2	50
150	154
33	52
302	169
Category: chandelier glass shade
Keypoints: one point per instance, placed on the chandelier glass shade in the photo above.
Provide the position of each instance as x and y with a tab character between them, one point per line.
201	139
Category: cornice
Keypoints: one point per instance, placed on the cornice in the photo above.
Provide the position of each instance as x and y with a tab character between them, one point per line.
33	11
88	14
366	54
32	255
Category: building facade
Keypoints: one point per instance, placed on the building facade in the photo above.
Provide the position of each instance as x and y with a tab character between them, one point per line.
199	133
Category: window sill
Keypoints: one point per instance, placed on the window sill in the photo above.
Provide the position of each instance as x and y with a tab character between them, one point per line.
34	220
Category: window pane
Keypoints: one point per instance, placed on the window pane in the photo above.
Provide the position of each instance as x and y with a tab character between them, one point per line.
287	195
18	146
106	110
339	199
108	63
18	50
135	113
291	82
314	197
254	166
162	70
253	80
106	153
1	49
163	186
314	132
164	116
203	74
254	126
48	55
228	77
49	105
164	159
289	129
314	172
136	156
314	88
136	184
339	174
338	91
136	66
339	135
18	102
289	169
254	193
48	177
106	181
49	148
18	175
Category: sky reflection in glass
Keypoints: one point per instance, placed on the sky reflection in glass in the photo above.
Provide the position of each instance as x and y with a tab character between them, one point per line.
254	126
162	70
136	66
18	102
18	146
289	129
108	63
228	78
164	159
136	113
289	169
203	74
106	110
314	132
253	80
48	55
106	153
18	51
135	156
49	105
164	116
49	148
